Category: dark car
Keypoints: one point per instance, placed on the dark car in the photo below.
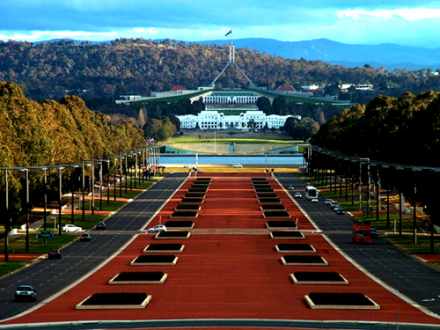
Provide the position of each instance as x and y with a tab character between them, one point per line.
85	237
340	211
25	292
373	233
101	226
54	254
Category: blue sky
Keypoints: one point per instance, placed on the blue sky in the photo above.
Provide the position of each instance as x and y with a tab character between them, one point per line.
415	23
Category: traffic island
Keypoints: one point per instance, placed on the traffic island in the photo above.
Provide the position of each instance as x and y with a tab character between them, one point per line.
331	300
177	224
296	248
289	260
173	235
272	207
281	224
154	260
139	278
184	214
118	300
177	248
276	214
318	278
289	234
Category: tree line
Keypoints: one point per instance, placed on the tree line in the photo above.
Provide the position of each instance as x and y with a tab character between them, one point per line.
401	136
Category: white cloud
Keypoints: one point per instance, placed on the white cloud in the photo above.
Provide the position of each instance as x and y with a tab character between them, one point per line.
47	35
410	14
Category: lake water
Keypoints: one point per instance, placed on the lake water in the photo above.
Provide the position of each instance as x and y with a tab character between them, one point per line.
166	159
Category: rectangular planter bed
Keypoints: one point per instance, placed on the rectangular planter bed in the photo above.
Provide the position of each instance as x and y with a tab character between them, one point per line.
186	207
267	195
330	300
276	215
294	248
166	248
184	214
191	200
281	224
268	200
317	278
289	234
154	260
173	235
119	300
195	195
139	278
177	224
272	207
298	260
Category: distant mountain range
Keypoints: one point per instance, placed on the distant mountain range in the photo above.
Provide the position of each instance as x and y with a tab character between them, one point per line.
391	56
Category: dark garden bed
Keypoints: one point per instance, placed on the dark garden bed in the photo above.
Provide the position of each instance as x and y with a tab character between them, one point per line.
154	260
289	247
184	214
139	278
198	189
287	234
267	195
260	190
318	278
176	224
181	207
333	300
310	260
268	200
191	200
195	195
268	207
117	300
258	179
202	180
172	247
173	235
276	214
283	224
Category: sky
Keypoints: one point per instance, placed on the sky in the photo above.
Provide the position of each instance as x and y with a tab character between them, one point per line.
403	22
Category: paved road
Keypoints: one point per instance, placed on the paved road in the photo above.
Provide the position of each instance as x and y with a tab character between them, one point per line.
413	278
405	274
79	258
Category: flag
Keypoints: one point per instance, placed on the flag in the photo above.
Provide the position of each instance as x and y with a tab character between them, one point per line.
229	32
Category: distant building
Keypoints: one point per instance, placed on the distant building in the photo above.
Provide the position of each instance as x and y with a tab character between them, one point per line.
244	109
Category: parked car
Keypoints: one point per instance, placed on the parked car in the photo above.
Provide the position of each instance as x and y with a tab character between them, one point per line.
101	226
237	166
289	187
373	233
25	292
314	200
157	229
70	228
298	195
85	237
54	254
327	202
340	211
333	204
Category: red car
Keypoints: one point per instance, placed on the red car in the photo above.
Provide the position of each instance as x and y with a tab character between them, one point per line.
54	254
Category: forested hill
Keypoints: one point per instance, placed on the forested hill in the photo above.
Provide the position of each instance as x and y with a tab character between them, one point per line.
48	133
127	66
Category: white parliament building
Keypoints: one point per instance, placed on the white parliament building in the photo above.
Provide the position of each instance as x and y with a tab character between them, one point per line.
242	104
